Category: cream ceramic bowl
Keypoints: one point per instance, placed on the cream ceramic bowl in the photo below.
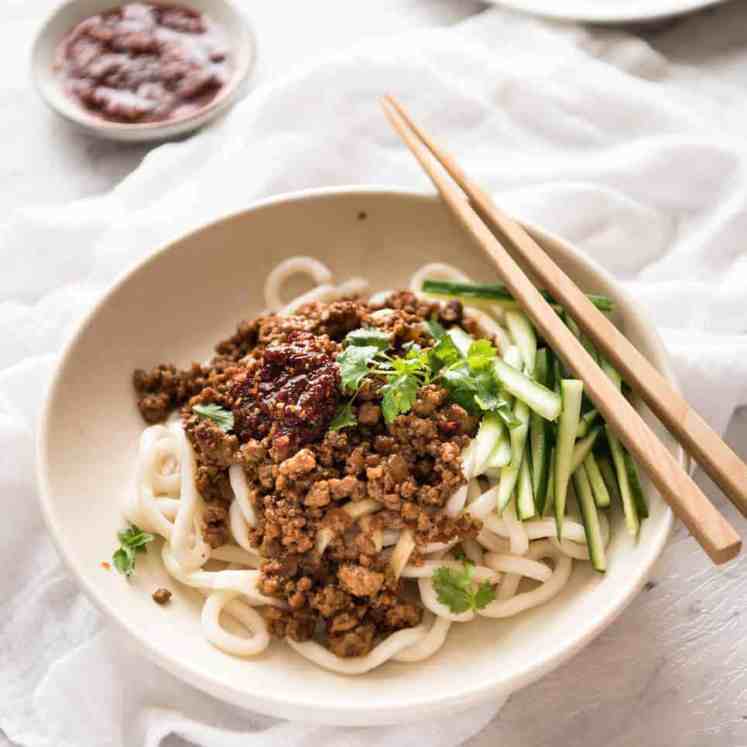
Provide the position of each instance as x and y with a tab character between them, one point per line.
242	45
174	307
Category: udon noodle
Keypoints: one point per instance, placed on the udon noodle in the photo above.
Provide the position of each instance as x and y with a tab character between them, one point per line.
525	560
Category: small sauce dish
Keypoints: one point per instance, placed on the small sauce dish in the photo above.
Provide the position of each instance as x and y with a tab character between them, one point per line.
142	70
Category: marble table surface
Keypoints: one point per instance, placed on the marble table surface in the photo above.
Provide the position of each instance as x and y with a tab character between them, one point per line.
677	655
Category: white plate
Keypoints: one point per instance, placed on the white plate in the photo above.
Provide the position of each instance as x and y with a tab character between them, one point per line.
174	307
608	11
242	45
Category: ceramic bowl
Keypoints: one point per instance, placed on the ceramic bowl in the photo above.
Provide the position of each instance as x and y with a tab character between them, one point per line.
174	307
241	40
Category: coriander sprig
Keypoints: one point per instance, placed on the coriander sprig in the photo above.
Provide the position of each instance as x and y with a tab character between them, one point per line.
457	589
469	379
132	541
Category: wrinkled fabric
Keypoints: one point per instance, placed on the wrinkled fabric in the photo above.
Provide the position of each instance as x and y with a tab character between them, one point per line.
594	136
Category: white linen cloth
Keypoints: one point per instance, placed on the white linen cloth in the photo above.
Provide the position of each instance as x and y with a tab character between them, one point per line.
642	164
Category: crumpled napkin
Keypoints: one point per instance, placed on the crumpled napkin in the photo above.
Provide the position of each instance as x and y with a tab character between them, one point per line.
595	136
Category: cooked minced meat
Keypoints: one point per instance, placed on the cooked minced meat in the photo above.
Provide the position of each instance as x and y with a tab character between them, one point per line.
277	375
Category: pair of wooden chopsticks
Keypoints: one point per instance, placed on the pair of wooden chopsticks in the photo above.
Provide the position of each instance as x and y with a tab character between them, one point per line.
488	225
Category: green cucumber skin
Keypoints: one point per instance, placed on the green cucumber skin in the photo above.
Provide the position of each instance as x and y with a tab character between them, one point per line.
590	519
572	393
632	520
540	436
596	480
636	488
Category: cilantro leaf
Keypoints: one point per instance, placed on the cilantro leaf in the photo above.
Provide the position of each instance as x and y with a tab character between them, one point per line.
444	352
399	395
368	337
132	541
480	355
484	595
353	363
451	589
456	589
221	417
344	417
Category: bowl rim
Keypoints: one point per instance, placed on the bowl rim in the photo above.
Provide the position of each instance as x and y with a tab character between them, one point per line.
76	114
344	712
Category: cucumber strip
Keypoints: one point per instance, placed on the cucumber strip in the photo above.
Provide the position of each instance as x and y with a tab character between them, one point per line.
636	489
590	519
522	333
570	322
487	438
586	420
525	506
610	478
549	500
598	488
539	398
572	391
461	339
632	521
510	473
512	357
497	292
540	436
501	454
582	448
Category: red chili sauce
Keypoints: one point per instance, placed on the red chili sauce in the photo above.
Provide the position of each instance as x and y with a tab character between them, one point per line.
144	63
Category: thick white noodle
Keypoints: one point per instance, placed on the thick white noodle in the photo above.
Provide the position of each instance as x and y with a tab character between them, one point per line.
187	545
492	542
432	547
143	507
384	651
249	618
390	537
428	644
356	510
239	528
517	535
237	478
484	504
578	550
242	582
539	529
402	551
516	565
236	556
473	551
428	567
456	501
352	287
436	271
550	588
380	297
319	272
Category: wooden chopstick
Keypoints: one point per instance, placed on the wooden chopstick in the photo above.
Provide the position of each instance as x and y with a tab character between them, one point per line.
717	537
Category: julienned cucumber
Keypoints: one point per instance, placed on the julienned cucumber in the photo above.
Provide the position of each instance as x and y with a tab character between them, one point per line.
549	499
539	398
590	518
525	506
586	422
522	333
630	509
461	339
598	488
488	436
496	292
571	391
632	520
610	478
636	489
510	473
582	447
540	436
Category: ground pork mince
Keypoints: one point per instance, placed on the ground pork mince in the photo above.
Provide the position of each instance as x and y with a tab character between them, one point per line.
278	377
